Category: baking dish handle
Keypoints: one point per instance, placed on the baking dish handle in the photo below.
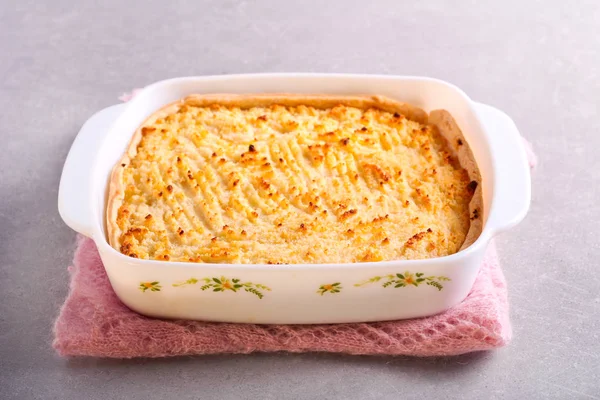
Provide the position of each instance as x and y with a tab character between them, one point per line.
512	176
76	182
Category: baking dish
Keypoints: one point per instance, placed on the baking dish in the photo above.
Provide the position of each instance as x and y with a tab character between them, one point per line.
304	293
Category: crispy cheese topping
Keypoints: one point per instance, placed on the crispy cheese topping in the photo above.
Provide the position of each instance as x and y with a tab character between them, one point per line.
282	184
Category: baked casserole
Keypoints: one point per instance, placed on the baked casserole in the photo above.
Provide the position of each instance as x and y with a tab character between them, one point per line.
294	179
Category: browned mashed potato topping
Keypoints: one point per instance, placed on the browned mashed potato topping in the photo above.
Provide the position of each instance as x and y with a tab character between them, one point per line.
320	181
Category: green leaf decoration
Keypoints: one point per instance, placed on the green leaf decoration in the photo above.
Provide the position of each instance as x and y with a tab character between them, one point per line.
330	288
223	284
191	281
407	278
152	286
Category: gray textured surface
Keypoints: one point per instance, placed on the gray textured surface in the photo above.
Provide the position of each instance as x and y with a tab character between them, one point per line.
538	60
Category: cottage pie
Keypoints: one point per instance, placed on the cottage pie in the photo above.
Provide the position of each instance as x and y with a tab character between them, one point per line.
294	179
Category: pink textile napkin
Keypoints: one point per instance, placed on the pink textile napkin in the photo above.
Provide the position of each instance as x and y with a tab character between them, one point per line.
94	322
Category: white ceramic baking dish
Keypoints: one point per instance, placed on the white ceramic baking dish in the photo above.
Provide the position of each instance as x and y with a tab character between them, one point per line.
296	294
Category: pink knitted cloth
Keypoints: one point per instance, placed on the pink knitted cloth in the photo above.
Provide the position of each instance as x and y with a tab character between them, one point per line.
94	322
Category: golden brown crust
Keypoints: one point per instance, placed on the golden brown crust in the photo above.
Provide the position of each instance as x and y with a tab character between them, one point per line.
317	101
115	185
448	127
125	241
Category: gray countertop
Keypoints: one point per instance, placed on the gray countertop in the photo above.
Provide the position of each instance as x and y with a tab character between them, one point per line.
537	60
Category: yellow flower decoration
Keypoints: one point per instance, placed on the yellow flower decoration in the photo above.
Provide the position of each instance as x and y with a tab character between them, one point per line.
407	278
223	284
152	286
329	288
